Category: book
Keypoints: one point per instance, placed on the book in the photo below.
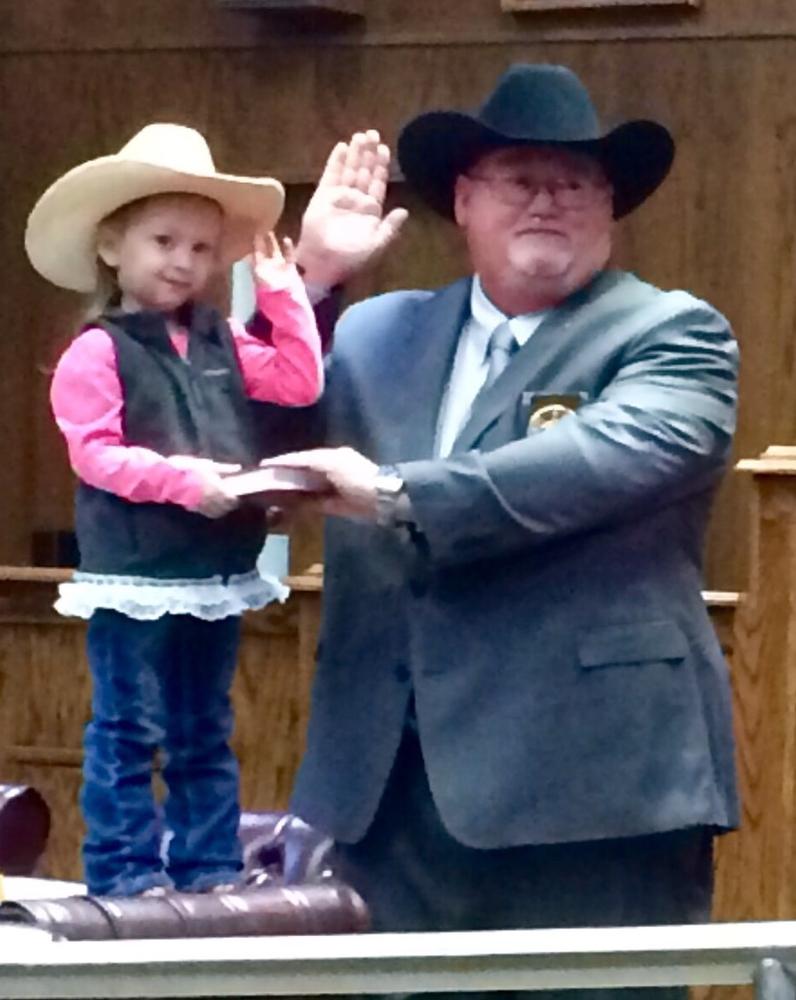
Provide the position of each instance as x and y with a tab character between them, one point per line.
276	480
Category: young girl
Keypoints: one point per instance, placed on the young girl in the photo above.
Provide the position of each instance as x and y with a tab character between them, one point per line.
152	400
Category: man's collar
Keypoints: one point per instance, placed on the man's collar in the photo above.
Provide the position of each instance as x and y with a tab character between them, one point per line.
483	309
487	316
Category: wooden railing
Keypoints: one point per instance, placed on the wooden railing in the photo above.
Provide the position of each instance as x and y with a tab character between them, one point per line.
44	695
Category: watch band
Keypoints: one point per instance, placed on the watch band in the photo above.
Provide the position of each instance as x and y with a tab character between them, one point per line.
389	489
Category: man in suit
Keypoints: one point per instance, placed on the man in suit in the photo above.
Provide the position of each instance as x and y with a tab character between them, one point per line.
521	715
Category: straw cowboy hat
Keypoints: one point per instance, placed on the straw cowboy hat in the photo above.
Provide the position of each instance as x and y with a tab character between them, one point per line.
533	105
62	228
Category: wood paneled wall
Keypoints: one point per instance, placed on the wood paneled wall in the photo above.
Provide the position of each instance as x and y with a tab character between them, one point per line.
77	79
94	25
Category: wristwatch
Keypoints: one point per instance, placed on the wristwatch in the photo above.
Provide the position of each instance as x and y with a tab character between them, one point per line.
392	502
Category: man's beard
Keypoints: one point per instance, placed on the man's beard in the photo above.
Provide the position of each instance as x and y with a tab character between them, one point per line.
547	258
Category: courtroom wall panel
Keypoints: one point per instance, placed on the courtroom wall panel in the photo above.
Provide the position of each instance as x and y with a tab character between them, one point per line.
722	226
47	25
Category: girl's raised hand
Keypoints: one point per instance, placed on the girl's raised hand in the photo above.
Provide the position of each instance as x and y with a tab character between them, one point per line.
273	266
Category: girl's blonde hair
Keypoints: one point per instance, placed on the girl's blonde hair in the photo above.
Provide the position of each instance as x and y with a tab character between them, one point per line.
107	292
106	295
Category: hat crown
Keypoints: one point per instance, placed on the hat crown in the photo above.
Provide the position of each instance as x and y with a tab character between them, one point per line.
533	104
175	147
60	237
543	103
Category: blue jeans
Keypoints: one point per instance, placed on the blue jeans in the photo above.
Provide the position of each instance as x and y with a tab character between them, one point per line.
160	685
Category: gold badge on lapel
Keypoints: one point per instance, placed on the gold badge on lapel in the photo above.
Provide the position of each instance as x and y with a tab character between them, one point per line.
548	410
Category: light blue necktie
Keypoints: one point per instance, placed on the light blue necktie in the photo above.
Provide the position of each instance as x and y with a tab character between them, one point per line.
502	345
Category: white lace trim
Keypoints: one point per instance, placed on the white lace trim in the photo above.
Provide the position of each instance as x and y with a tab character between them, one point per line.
146	598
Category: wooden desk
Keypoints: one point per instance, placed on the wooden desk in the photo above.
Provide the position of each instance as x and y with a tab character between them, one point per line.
44	698
44	695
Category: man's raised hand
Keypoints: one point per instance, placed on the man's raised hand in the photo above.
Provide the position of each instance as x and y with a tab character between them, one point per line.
344	226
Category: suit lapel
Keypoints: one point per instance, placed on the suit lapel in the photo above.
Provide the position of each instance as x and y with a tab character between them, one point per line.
429	350
557	333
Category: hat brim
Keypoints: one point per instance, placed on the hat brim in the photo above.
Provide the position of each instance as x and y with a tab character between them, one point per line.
61	234
436	147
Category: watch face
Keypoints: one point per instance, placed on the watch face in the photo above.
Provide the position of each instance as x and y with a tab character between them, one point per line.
391	485
388	492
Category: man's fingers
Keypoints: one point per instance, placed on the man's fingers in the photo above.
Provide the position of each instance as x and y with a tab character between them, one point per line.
366	166
353	156
383	155
380	174
363	144
390	227
333	171
361	160
377	188
356	177
350	197
364	179
299	459
326	460
357	201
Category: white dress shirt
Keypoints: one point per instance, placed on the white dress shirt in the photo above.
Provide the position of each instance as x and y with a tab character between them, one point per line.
470	363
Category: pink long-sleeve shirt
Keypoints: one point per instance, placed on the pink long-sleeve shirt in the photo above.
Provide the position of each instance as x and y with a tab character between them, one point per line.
87	400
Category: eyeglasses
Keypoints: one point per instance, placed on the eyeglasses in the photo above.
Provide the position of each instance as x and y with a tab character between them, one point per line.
519	192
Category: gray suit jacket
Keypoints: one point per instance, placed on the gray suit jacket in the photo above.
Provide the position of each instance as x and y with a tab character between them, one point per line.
567	680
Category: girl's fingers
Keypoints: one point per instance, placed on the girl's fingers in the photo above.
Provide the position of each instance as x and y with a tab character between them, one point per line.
259	253
288	250
269	255
260	245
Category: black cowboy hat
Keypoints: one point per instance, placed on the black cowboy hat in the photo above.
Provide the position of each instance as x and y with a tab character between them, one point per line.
533	105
